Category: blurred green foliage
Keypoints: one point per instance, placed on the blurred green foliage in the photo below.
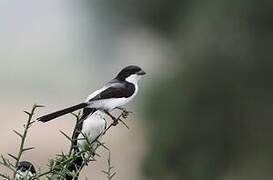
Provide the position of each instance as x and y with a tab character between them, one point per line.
214	119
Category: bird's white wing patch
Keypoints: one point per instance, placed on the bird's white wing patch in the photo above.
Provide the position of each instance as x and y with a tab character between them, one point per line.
95	93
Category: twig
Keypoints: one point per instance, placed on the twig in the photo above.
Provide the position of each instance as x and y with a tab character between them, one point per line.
23	137
109	172
6	162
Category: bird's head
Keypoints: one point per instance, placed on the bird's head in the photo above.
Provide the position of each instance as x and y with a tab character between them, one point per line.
25	170
130	74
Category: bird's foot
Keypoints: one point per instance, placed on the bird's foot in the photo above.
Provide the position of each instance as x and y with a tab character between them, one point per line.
115	120
124	113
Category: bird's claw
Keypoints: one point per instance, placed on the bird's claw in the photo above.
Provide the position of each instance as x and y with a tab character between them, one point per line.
115	122
125	113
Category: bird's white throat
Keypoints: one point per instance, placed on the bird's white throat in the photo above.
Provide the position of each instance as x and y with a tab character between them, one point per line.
134	78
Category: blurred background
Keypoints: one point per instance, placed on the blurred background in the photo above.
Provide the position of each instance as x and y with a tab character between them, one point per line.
204	110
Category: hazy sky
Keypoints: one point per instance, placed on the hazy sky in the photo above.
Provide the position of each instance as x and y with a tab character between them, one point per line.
56	53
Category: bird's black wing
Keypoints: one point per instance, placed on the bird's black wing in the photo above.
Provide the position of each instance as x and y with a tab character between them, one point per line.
116	91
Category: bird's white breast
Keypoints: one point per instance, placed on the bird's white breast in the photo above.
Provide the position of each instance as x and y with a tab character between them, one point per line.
93	127
23	175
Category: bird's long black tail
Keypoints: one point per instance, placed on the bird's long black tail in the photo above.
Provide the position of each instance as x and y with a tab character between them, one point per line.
59	113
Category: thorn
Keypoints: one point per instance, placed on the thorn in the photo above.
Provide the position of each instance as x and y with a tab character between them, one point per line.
27	149
13	156
19	134
66	136
38	106
28	113
124	124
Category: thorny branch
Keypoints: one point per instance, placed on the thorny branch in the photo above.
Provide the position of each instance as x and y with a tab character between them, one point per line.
68	159
6	162
58	165
109	174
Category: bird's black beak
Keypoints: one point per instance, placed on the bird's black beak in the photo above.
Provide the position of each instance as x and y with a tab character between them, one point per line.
141	72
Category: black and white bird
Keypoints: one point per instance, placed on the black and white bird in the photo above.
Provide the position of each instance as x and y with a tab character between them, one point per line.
115	94
25	170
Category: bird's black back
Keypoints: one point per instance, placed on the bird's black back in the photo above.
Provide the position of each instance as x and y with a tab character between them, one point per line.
26	166
116	90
